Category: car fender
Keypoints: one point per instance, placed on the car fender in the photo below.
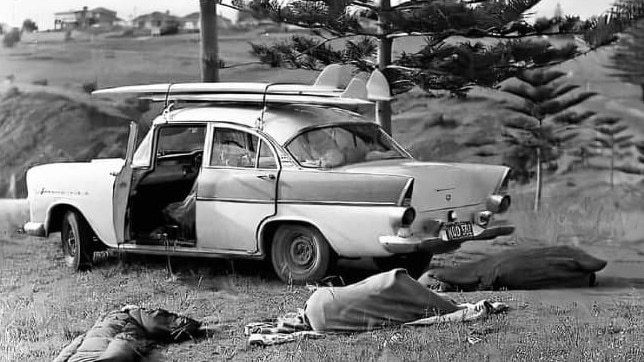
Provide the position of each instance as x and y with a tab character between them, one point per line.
106	235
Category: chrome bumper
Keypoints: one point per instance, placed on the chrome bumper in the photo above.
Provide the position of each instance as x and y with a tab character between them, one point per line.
439	244
34	228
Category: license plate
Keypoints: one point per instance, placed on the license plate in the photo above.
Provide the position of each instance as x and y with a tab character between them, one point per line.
458	230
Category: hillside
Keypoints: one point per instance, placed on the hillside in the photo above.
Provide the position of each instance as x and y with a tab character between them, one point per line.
40	125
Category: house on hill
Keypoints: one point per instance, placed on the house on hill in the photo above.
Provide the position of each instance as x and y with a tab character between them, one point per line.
105	17
83	19
157	22
191	22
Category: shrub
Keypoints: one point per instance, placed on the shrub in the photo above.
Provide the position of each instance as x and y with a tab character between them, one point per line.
40	82
89	87
11	92
11	38
169	29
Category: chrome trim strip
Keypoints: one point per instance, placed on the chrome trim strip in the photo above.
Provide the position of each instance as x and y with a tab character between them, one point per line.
449	208
338	203
296	202
133	248
245	201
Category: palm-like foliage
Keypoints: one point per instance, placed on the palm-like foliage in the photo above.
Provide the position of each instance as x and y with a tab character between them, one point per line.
469	42
442	63
544	123
612	138
628	59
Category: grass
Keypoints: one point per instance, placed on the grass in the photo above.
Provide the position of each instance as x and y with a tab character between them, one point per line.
43	306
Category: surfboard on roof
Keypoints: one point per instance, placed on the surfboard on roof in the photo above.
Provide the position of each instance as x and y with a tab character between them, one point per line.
327	89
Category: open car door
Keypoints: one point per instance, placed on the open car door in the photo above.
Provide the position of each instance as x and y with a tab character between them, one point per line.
122	184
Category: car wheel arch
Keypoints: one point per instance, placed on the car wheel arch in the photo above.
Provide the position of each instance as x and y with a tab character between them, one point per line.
56	215
268	229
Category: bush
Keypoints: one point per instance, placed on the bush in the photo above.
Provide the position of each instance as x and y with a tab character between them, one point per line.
11	92
11	38
89	87
169	30
40	82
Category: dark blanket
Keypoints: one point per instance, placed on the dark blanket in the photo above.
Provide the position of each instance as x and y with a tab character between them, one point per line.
127	335
524	268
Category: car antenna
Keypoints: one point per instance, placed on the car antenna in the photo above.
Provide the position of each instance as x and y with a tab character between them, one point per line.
260	120
167	107
167	95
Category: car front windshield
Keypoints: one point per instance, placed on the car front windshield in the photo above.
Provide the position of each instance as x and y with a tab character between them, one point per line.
334	146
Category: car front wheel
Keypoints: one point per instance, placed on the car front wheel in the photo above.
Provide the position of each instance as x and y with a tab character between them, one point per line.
76	237
300	254
415	263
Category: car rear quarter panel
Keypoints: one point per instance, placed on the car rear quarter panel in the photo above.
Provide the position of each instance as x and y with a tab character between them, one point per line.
350	209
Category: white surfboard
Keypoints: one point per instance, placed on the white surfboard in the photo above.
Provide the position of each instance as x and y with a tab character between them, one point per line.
326	88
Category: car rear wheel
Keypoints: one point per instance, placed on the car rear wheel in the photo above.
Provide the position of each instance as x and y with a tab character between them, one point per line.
300	254
415	263
76	237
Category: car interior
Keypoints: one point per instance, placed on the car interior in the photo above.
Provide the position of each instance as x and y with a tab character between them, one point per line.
163	197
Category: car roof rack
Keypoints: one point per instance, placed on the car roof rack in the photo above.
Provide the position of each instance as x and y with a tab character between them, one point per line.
327	89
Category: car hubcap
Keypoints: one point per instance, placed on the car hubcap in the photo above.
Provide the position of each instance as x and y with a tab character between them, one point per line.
302	251
71	243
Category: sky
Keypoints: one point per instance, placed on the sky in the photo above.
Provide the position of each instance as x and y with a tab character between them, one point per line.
13	12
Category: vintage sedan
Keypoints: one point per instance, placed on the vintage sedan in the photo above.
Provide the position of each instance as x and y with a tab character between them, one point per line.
291	173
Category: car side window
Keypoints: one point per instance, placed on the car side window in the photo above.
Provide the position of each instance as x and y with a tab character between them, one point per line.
234	148
180	139
266	158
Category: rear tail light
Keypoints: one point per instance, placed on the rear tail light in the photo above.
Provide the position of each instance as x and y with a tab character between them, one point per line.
498	203
408	217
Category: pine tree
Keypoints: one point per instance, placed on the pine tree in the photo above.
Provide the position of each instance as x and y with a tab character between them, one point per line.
468	42
628	59
544	123
639	146
612	138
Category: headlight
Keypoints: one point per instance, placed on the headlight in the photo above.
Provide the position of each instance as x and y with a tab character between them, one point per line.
498	203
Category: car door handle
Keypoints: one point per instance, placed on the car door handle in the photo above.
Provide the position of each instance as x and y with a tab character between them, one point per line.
268	176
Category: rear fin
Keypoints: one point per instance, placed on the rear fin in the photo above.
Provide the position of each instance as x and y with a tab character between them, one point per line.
357	88
378	87
333	76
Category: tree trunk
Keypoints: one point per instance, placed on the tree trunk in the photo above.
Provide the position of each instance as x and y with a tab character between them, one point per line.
612	162
537	196
383	108
209	45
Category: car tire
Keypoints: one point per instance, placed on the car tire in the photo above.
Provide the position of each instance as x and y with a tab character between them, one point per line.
77	241
416	263
300	254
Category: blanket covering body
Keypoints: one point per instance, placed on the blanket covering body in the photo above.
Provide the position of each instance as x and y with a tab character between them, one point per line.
524	268
388	298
